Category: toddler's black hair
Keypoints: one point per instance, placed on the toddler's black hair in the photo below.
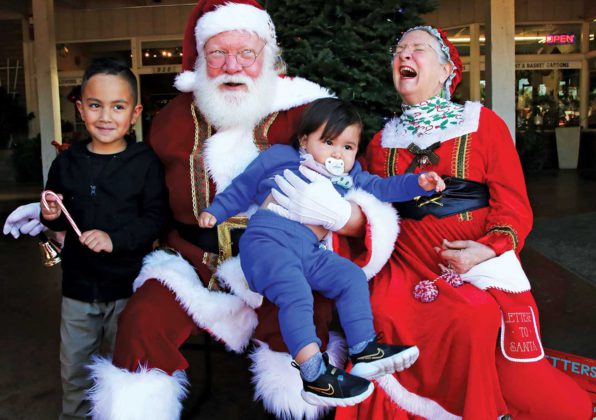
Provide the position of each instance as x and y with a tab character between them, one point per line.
335	114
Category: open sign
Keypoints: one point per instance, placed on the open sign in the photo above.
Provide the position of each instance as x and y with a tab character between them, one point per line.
560	39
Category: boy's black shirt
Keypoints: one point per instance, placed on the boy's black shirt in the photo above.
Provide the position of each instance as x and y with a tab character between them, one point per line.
124	195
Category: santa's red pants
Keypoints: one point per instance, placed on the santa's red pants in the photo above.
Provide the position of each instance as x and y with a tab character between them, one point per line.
153	326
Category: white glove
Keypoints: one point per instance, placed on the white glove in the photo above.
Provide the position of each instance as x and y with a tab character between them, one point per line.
317	203
25	219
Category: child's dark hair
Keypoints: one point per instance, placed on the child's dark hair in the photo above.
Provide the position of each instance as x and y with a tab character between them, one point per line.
335	114
113	67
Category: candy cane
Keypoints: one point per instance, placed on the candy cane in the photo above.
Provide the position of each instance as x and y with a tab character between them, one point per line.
59	201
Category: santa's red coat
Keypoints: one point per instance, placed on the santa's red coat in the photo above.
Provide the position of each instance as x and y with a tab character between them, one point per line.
171	299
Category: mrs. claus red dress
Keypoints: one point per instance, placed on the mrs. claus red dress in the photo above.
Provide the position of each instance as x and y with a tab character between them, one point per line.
466	368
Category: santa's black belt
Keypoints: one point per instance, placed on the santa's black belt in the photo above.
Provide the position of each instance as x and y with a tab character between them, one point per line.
460	195
210	240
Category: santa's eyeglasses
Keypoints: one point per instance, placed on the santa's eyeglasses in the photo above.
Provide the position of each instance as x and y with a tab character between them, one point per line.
246	58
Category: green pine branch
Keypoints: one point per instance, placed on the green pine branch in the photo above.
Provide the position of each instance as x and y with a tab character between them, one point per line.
344	46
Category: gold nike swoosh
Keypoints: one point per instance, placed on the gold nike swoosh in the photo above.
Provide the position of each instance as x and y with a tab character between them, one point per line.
326	391
378	355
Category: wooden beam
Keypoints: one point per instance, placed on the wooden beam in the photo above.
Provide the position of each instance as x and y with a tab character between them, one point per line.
475	62
500	59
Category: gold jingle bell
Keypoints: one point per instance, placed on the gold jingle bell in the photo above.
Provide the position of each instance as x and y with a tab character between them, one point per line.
50	253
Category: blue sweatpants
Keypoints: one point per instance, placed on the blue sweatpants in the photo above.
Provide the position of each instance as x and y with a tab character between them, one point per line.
283	261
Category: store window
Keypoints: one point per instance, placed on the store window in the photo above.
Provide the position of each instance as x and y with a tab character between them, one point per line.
592	108
460	37
547	98
161	53
592	41
156	91
462	92
73	128
73	57
547	39
529	39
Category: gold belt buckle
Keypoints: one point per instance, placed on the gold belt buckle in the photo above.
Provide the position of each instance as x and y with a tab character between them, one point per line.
224	242
423	201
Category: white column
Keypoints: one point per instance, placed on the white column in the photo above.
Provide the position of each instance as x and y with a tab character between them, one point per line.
475	62
47	80
136	51
500	59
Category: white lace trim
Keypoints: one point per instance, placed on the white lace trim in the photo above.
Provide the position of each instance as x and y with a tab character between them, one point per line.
396	136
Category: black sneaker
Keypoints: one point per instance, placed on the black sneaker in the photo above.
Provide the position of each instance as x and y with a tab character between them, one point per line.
379	359
335	388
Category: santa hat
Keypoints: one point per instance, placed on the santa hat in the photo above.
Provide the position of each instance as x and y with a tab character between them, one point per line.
211	17
449	51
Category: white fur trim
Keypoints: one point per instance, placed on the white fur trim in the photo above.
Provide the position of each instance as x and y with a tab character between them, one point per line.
278	384
412	403
118	394
226	316
503	272
295	91
384	225
394	135
230	273
186	81
227	154
234	17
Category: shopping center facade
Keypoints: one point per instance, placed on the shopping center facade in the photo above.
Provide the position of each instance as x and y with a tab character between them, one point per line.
533	61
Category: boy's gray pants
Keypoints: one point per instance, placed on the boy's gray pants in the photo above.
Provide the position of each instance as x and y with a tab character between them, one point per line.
83	327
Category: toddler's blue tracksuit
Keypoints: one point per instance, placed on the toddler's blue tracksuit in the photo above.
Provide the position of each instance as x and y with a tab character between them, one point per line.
284	260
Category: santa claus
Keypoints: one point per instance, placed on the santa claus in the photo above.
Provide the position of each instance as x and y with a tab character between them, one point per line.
235	103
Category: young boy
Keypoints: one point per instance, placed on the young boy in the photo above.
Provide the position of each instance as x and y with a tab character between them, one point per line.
115	192
285	261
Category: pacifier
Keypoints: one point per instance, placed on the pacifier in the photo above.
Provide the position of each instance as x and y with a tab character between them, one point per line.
334	166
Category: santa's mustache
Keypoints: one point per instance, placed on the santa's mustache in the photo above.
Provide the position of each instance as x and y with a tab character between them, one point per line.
233	79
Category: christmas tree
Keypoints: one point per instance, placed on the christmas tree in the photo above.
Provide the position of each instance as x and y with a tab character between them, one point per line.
344	45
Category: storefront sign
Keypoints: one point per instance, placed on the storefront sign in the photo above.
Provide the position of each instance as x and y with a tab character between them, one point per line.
537	66
466	67
166	69
582	369
560	39
70	81
548	65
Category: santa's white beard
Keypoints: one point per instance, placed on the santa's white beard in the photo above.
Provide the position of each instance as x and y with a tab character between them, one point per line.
234	109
